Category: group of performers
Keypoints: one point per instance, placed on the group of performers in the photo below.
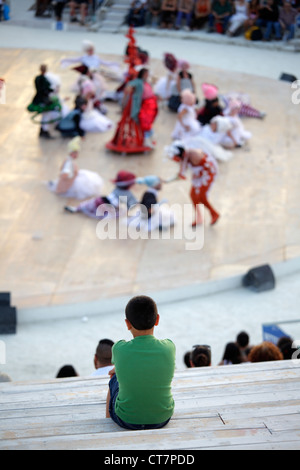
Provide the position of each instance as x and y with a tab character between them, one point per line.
202	133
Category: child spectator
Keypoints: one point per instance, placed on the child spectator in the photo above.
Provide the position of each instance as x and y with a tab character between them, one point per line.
140	395
102	358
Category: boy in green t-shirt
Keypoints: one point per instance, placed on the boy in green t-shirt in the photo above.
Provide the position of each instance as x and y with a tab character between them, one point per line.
139	395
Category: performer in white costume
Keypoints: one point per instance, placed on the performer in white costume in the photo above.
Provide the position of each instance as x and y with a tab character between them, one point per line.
240	135
187	124
165	84
155	214
89	59
74	182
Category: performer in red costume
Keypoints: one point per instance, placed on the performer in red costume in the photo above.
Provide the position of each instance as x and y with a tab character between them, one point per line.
144	107
134	131
204	171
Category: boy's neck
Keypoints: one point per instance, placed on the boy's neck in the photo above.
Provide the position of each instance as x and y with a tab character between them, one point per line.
135	333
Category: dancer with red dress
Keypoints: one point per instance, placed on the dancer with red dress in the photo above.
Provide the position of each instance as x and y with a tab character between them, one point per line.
134	132
204	171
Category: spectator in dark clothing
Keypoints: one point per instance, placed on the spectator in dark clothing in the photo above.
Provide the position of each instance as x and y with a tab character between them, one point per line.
153	13
269	19
232	355
221	11
137	12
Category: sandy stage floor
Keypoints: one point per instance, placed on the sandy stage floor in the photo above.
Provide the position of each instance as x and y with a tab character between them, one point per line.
49	257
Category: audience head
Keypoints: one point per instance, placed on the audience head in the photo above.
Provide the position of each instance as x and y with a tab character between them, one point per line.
186	359
66	371
266	351
242	340
232	354
200	356
141	313
103	353
285	344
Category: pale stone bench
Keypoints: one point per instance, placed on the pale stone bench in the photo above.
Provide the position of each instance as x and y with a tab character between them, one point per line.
250	406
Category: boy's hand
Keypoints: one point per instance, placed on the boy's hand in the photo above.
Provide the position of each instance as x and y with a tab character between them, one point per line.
112	372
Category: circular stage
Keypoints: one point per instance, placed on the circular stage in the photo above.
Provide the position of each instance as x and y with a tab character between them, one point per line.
50	257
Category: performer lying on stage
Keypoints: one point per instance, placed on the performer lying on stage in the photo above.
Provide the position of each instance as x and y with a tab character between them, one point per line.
111	203
155	214
73	182
204	171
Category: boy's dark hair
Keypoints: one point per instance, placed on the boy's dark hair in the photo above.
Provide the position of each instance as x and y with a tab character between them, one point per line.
141	311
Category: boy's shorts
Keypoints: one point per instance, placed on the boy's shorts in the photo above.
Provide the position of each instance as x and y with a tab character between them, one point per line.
114	390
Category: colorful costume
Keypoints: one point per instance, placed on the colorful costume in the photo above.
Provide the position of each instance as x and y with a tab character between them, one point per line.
239	133
203	176
155	215
187	124
134	132
140	109
110	203
89	59
43	101
165	84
